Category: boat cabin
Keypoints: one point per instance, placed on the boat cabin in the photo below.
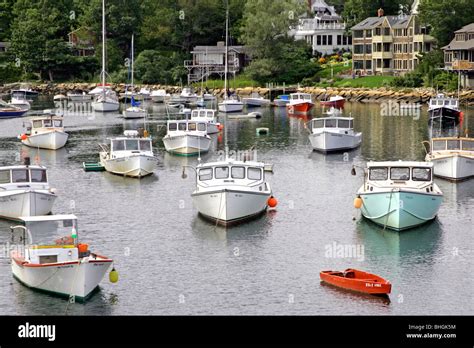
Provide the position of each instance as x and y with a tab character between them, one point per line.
238	173
442	101
43	123
452	144
300	97
333	122
23	175
182	126
203	114
390	173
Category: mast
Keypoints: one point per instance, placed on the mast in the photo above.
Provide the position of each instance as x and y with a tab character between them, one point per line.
133	59
226	48
103	48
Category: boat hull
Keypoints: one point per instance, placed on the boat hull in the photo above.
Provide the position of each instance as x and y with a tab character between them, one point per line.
301	108
332	141
65	279
51	141
12	114
455	167
158	99
228	206
105	106
400	210
187	145
18	203
364	283
445	116
134	113
338	104
256	102
231	107
136	166
79	98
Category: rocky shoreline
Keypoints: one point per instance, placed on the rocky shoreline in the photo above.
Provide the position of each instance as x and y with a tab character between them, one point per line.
362	95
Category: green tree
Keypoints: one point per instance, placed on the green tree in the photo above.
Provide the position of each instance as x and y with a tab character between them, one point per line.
356	11
446	16
157	67
6	16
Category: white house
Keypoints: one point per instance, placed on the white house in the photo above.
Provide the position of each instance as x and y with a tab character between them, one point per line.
324	31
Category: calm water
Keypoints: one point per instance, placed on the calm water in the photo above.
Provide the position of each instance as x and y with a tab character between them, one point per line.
170	261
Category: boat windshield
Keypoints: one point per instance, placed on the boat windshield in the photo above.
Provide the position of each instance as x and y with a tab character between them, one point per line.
421	174
439	145
344	123
377	174
20	175
468	145
131	145
453	144
38	175
331	123
318	124
5	177
145	145
234	172
400	173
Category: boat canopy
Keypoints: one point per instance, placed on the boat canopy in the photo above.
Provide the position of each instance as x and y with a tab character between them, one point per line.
441	100
23	174
46	122
452	144
401	171
186	126
333	122
203	113
230	172
131	144
300	96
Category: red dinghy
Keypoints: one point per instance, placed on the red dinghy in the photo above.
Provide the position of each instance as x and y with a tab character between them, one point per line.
335	102
353	279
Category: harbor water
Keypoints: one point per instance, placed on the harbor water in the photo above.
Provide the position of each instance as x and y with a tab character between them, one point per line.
172	262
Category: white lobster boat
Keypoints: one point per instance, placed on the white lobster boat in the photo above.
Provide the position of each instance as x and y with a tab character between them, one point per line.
399	195
159	96
331	134
209	116
25	191
452	157
255	100
45	132
187	138
67	269
231	191
130	155
20	102
79	97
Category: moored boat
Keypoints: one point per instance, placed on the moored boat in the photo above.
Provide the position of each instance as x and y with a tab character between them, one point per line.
187	137
45	132
159	96
10	111
300	103
330	134
452	157
25	191
399	195
444	110
281	100
209	116
334	101
255	100
355	280
129	155
66	269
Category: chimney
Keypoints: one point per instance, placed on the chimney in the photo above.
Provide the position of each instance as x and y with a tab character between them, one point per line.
380	12
310	4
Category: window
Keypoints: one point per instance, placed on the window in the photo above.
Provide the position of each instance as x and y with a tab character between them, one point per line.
368	48
330	40
118	145
4	176
386	31
343	124
58	123
421	174
468	145
38	175
191	126
201	127
325	40
145	145
318	40
378	174
318	123
453	144
131	145
47	123
172	126
439	145
20	175
205	174
182	126
339	40
368	64
358	49
377	31
238	172
254	174
222	172
400	173
37	124
358	33
331	123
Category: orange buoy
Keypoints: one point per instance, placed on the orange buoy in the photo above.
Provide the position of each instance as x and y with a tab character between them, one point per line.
220	127
83	248
24	137
357	202
272	202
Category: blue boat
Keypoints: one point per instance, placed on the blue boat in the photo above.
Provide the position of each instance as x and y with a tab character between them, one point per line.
10	111
399	195
281	100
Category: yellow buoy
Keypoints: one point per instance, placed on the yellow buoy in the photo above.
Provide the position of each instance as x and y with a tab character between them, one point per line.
113	276
357	202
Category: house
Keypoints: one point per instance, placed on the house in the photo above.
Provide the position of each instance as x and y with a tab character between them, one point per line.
459	55
4	47
324	30
210	60
82	42
389	44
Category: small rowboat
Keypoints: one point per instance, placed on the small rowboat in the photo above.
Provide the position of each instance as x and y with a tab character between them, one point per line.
356	280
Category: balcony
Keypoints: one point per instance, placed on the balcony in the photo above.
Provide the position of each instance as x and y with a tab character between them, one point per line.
314	25
382	55
382	39
423	38
462	65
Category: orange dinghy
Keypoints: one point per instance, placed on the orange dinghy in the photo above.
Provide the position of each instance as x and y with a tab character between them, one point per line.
353	279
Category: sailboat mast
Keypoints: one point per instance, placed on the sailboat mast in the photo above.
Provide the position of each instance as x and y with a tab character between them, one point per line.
103	47
133	59
226	48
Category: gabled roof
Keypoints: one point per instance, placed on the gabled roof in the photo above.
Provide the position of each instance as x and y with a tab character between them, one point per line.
460	45
466	29
394	22
217	49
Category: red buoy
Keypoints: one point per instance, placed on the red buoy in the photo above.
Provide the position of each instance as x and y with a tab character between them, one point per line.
272	202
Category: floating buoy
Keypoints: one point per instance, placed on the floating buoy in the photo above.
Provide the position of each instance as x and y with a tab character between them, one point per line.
272	202
23	137
357	202
261	131
113	276
220	126
83	248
